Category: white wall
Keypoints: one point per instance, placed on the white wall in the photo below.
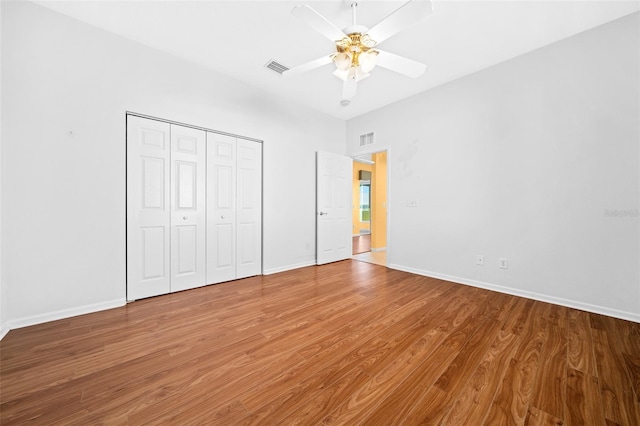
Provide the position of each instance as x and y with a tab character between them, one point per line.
66	87
3	329
523	160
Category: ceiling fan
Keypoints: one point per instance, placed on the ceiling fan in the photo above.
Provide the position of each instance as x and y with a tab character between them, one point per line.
356	52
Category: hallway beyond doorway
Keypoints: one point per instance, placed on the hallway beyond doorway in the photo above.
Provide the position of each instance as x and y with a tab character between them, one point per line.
361	243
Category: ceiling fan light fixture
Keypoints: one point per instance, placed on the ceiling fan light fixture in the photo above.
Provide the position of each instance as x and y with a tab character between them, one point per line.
342	61
367	41
353	73
367	60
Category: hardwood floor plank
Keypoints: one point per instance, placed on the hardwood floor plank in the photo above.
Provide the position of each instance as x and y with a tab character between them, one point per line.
633	367
517	315
550	386
328	399
411	393
537	417
473	403
626	350
469	358
580	351
286	403
511	404
231	414
208	391
383	380
345	343
619	401
325	357
584	400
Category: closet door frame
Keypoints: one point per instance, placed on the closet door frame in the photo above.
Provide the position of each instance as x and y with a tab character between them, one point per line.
130	257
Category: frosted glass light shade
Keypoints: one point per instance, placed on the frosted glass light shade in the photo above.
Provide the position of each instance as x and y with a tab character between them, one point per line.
368	60
354	73
342	61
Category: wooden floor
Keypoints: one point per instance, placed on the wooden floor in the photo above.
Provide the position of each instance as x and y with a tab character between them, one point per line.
346	343
361	244
376	257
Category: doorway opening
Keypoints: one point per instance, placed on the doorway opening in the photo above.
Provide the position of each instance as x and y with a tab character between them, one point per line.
369	227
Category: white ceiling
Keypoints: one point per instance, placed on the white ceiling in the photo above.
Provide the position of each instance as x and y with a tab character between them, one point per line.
238	38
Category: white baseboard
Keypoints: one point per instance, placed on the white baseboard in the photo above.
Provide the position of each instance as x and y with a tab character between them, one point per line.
304	264
3	331
62	314
375	250
596	309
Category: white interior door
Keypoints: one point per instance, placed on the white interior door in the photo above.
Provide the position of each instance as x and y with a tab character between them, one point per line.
333	201
148	210
221	208
249	208
188	157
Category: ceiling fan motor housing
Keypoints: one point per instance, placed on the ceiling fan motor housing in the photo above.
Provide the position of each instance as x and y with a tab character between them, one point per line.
355	28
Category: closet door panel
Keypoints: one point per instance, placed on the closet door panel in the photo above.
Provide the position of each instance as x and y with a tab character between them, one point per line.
188	218
221	214
148	209
224	244
249	208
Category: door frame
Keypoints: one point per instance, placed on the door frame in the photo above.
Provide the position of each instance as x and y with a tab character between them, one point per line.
375	150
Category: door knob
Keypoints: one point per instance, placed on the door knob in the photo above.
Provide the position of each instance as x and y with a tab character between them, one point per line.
184	218
322	213
221	217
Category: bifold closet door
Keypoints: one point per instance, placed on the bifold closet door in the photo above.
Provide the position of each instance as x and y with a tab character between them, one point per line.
249	208
234	208
188	217
165	208
221	208
148	208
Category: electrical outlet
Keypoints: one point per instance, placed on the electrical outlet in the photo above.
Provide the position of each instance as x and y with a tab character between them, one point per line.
503	263
412	203
480	260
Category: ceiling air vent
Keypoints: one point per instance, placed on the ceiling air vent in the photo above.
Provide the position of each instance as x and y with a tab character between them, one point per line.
276	66
366	139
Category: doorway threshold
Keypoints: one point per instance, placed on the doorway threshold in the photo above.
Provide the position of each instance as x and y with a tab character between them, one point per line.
375	257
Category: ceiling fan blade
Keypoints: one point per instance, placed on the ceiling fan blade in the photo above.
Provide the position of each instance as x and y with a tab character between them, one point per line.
349	88
408	14
400	64
308	66
318	22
